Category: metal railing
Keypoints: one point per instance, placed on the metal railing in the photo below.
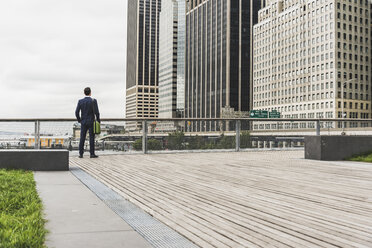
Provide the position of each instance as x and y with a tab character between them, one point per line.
237	122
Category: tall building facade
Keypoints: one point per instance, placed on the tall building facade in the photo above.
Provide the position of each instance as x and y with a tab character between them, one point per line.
218	58
142	59
172	58
312	59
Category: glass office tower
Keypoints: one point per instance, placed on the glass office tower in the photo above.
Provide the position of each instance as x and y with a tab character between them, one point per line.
218	58
172	58
142	60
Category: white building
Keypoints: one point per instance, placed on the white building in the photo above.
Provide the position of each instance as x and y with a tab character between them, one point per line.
304	51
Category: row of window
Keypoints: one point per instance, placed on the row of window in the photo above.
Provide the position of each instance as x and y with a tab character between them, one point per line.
299	107
283	21
349	47
310	106
356	86
310	97
350	9
314	78
354	105
295	12
300	89
299	74
147	100
263	54
291	51
322	67
349	37
147	90
294	64
311	125
290	99
287	70
349	27
356	68
357	96
350	18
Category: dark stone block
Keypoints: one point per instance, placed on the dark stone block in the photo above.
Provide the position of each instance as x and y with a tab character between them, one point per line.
36	160
332	148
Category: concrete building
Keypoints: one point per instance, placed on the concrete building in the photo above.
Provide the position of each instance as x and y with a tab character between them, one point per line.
218	58
142	60
172	58
312	59
56	142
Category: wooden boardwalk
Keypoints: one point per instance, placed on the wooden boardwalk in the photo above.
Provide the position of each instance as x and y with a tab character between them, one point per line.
247	199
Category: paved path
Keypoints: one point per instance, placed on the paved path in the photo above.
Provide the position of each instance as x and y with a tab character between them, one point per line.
77	218
247	199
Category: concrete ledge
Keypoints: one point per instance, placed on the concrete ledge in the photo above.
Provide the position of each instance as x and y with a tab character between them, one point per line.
36	160
333	148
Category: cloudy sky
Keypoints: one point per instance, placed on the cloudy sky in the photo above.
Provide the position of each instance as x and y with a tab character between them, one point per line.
51	49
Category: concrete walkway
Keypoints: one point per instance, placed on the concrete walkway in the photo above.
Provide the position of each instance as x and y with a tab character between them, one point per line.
76	217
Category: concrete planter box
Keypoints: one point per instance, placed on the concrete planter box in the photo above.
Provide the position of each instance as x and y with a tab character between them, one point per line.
333	148
36	160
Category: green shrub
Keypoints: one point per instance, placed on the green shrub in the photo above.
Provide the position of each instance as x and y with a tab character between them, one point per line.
200	142
175	141
226	142
137	145
245	139
195	142
209	146
153	144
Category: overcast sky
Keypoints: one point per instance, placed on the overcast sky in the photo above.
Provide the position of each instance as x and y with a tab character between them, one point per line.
50	50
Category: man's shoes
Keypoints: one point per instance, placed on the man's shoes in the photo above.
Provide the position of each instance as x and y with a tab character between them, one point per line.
80	156
93	156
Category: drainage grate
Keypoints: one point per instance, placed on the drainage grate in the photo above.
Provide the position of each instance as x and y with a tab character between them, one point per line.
155	232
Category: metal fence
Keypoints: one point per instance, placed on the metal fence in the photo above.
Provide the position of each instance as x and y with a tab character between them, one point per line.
156	134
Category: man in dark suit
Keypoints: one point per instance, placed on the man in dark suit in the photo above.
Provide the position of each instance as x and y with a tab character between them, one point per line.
86	106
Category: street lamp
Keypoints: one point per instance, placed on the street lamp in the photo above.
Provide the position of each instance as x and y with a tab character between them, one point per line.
342	103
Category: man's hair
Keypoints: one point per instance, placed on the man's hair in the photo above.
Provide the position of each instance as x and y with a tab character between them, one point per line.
87	91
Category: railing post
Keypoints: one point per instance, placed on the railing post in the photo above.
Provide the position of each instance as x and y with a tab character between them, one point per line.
144	137
237	135
37	135
318	127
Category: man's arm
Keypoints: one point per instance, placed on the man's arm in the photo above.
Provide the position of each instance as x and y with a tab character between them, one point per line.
96	110
77	112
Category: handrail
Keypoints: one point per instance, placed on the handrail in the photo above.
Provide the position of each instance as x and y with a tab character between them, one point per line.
146	121
180	119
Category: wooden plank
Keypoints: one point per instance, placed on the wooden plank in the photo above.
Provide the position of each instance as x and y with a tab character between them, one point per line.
252	199
319	234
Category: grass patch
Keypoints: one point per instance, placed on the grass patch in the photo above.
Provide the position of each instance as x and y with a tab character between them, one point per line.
21	221
364	157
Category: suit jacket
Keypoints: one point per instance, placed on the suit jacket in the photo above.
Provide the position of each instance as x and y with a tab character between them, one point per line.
86	106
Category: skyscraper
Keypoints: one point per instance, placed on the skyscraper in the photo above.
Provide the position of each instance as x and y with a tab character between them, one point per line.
142	59
172	58
218	57
312	59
